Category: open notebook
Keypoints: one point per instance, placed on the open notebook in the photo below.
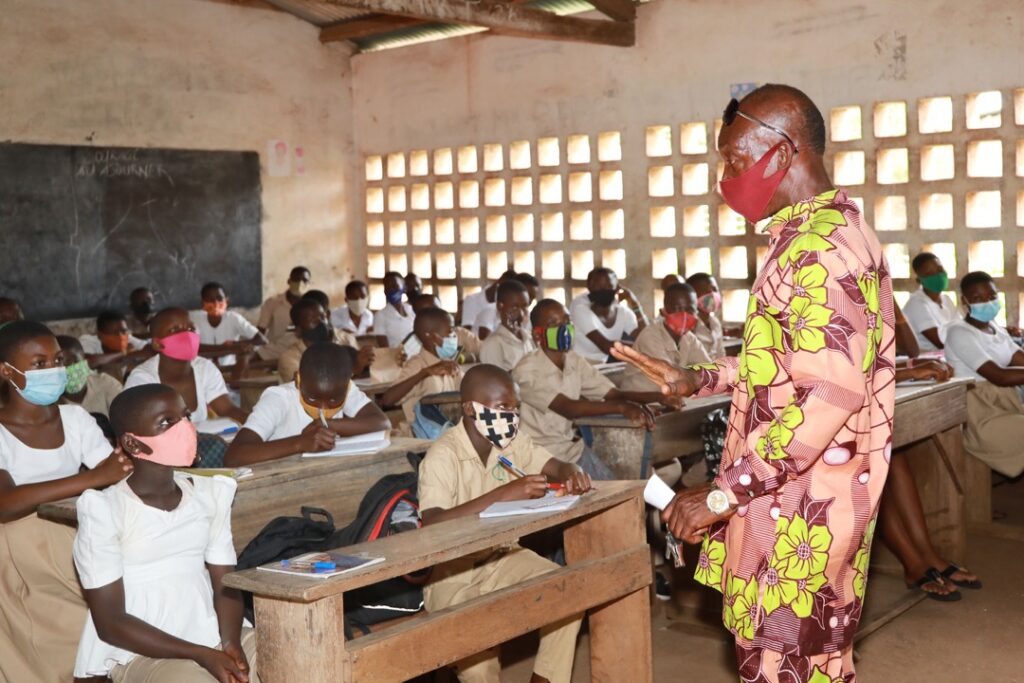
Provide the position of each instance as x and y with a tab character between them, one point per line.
530	506
362	444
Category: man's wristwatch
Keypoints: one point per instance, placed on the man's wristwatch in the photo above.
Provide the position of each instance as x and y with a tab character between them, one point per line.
717	501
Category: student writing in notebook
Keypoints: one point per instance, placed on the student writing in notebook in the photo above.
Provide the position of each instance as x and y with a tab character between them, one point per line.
309	414
152	553
460	477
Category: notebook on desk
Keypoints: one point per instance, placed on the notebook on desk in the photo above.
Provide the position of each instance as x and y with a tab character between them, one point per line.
531	506
363	444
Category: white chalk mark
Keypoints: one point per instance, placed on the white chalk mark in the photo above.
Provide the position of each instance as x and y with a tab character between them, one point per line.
113	229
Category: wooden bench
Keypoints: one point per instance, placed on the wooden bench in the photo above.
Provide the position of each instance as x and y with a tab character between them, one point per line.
281	487
251	388
299	621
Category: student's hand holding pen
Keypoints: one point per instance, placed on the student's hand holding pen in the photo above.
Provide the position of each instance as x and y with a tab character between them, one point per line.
530	486
316	437
577	483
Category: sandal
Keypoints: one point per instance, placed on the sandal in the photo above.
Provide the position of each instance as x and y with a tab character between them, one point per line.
932	575
948	572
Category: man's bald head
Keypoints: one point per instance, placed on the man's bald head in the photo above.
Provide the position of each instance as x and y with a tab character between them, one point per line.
789	109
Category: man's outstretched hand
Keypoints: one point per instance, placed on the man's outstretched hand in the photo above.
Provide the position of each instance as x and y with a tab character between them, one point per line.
673	380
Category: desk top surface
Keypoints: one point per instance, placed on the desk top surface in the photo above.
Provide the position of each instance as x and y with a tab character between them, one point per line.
426	547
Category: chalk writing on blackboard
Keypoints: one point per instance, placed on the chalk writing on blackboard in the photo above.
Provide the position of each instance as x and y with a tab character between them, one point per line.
119	163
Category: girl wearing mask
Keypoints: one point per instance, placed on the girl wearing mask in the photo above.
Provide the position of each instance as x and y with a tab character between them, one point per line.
977	347
43	448
223	333
355	315
394	322
178	365
152	552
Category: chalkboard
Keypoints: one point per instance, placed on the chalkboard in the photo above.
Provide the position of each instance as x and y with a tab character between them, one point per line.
81	227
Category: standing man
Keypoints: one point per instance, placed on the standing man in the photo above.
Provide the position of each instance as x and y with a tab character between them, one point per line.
787	524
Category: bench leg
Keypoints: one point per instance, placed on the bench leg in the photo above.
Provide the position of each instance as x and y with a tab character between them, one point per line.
301	642
620	631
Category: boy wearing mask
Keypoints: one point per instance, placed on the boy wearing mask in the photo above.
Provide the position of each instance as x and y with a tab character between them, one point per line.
512	340
355	315
275	312
929	310
94	391
223	333
394	322
461	476
112	349
311	326
604	315
709	328
309	414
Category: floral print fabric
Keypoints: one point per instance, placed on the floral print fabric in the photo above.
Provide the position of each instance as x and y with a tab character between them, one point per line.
810	432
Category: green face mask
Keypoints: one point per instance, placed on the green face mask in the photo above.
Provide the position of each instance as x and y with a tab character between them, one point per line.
936	283
78	375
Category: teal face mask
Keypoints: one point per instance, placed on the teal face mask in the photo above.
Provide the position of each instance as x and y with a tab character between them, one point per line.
987	311
78	375
449	348
936	283
42	387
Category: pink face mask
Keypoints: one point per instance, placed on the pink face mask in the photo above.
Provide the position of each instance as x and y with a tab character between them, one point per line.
749	193
174	448
180	345
710	302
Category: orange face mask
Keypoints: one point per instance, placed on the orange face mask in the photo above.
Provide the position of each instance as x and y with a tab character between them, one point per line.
218	308
114	343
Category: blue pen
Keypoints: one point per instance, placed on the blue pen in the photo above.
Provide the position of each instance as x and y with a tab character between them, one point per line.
229	430
508	464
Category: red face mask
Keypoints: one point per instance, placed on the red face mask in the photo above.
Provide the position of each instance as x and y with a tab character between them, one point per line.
217	308
749	193
680	323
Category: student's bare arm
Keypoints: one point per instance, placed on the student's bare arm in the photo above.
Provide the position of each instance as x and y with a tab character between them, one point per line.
533	486
572	475
600	341
906	341
369	419
223	406
1012	376
227	602
932	335
396	393
21	501
248	448
116	626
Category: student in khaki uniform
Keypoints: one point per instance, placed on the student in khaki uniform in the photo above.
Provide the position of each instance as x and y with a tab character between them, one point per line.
511	340
469	343
462	476
92	390
274	314
558	386
431	371
670	338
311	326
709	302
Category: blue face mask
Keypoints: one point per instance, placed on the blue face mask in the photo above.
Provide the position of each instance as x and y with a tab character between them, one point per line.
394	298
42	387
986	312
449	348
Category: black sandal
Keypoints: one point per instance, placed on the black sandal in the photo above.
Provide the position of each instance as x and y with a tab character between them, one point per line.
932	575
948	572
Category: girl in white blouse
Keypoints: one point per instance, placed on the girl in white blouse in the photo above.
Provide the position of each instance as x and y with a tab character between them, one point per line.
43	450
152	552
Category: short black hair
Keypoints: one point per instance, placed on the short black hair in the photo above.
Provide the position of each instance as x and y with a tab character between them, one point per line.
16	333
139	290
976	277
510	288
66	342
325	362
507	275
600	270
812	127
539	309
107	317
297	270
922	258
428	317
698	278
320	297
303	304
354	285
127	406
209	287
681	287
527	279
394	273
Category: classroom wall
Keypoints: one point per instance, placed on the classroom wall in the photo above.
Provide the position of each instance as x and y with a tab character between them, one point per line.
486	89
200	75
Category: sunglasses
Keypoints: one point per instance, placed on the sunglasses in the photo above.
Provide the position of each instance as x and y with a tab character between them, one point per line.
732	110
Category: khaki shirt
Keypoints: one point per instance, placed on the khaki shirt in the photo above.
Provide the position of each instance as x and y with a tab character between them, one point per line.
657	342
275	318
504	349
453	474
469	342
712	337
540	381
100	390
426	387
288	363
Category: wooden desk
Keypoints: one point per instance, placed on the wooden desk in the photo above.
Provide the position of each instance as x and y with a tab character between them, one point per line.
251	388
299	620
448	402
281	487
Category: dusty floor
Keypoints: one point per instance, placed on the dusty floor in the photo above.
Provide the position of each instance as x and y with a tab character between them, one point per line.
978	639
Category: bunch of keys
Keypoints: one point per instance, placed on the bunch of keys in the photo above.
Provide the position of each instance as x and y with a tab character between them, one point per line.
674	550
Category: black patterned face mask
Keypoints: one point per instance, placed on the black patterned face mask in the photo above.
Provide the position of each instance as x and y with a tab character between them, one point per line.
498	426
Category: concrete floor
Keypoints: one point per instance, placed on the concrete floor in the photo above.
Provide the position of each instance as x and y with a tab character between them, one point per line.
974	640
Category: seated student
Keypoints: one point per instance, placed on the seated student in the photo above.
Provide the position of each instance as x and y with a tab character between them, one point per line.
431	371
928	310
43	447
608	314
289	418
413	287
670	337
223	333
140	302
670	280
179	365
94	391
709	302
977	347
460	477
10	310
394	322
152	552
355	315
478	309
469	343
275	312
558	385
489	317
311	326
512	340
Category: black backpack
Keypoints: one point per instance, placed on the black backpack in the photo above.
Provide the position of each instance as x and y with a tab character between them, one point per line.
389	507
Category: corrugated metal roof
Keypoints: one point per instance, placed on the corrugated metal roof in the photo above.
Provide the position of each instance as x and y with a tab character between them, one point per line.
318	12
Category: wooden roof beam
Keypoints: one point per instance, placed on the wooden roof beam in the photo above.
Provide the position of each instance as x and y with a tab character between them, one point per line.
361	27
504	18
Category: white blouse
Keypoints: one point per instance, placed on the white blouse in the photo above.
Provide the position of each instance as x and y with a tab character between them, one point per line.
160	555
84	444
